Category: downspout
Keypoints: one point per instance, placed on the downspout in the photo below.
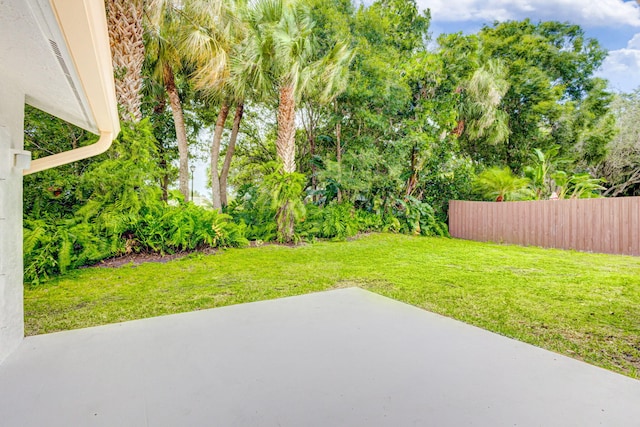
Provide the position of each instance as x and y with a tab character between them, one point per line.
103	144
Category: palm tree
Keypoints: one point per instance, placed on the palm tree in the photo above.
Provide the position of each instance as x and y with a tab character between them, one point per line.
214	32
163	36
480	114
124	20
277	56
502	185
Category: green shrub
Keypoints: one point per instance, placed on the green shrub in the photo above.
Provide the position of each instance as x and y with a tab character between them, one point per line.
252	210
371	221
500	185
122	212
187	227
340	221
418	217
286	199
53	249
334	221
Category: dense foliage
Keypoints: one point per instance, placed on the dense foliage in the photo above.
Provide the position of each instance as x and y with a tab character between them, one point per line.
327	119
621	166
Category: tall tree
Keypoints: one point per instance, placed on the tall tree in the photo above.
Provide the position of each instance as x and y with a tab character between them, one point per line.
549	69
277	53
332	29
369	120
214	32
277	57
481	120
231	146
163	51
621	166
124	19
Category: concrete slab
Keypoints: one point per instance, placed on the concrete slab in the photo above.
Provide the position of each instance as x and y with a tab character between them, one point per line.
339	358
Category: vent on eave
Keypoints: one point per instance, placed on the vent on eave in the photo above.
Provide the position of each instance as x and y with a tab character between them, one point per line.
67	74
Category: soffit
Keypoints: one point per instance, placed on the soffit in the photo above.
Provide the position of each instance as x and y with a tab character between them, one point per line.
34	56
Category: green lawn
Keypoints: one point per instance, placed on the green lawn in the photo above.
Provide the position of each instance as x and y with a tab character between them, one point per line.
583	305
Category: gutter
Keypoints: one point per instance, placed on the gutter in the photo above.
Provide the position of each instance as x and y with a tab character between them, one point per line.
103	144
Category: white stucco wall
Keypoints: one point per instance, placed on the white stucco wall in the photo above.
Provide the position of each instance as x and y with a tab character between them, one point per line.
11	285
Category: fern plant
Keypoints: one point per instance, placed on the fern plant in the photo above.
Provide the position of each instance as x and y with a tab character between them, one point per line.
339	221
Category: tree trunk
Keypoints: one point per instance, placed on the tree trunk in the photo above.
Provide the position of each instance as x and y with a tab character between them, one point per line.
124	22
412	182
164	178
286	149
314	169
215	156
339	154
181	132
285	221
310	120
285	143
164	182
226	166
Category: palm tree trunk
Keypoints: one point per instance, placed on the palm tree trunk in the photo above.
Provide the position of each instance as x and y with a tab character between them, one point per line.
124	21
181	132
215	156
230	149
285	143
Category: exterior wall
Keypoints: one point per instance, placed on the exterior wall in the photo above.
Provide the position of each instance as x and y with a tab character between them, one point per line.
606	225
11	285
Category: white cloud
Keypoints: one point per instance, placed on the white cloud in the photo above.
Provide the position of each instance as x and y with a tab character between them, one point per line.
634	43
622	66
592	13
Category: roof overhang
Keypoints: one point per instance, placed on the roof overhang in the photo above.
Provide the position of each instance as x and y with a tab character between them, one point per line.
57	52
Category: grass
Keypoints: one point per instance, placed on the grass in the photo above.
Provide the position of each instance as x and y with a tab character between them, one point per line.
586	306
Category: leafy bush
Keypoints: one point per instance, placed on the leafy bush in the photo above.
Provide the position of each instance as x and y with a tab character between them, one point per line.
120	212
286	199
418	217
335	221
340	221
53	249
187	227
272	210
577	186
252	210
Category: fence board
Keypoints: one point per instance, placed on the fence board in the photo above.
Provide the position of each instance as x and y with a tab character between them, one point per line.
608	225
634	240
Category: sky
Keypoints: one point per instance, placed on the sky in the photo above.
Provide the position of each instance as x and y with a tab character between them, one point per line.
614	23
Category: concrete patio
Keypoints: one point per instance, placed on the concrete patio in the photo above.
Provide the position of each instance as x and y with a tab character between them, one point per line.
341	358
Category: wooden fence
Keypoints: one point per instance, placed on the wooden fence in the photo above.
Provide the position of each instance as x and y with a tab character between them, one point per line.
607	225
